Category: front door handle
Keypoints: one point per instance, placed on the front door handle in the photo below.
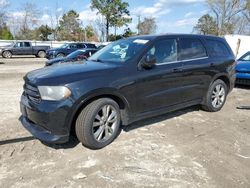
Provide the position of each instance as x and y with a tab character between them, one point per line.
177	70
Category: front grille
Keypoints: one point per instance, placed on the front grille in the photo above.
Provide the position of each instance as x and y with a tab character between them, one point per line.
243	81
32	93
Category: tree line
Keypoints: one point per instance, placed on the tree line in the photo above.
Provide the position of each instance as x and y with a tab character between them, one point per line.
223	17
68	26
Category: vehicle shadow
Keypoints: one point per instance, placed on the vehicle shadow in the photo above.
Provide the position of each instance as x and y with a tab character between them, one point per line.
16	140
149	121
73	141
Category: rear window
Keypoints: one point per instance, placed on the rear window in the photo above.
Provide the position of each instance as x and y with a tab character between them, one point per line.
217	48
191	49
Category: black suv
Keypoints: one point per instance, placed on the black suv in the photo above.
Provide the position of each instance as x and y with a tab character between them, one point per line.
66	49
128	80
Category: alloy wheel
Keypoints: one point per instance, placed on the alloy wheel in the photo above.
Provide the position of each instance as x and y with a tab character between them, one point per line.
218	96
105	123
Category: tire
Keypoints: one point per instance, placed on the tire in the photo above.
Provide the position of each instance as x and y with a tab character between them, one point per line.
7	54
41	54
93	127
60	55
216	96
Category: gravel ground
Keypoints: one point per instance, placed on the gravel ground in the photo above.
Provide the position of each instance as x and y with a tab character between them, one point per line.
187	148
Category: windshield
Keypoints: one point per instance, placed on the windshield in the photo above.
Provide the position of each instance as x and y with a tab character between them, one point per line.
245	57
75	54
64	46
119	51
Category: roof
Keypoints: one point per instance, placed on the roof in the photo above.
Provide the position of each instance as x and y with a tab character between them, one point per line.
150	37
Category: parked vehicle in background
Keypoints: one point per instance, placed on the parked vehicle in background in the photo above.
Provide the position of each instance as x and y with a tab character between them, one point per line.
78	55
129	80
66	49
102	45
23	48
243	70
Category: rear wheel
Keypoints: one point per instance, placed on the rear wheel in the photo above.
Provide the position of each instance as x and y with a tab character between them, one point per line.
98	124
216	96
41	54
7	54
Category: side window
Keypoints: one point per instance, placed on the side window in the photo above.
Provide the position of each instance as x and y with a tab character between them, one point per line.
79	46
26	44
73	46
191	49
246	57
165	51
217	48
18	45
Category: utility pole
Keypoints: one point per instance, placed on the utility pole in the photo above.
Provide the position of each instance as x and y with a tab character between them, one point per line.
139	21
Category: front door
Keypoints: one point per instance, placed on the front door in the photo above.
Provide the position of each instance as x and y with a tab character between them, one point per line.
162	85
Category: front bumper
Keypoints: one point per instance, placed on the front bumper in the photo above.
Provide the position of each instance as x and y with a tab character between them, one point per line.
50	55
243	78
42	134
46	121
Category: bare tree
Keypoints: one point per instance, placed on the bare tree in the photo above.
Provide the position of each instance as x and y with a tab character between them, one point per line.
225	11
55	17
99	28
31	15
246	12
3	5
147	26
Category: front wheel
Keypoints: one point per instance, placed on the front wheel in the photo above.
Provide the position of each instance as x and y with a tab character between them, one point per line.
216	96
7	54
98	124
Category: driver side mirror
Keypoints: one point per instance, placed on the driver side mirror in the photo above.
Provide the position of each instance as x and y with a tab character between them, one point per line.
148	62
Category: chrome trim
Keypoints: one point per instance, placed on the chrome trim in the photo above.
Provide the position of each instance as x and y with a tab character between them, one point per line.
172	62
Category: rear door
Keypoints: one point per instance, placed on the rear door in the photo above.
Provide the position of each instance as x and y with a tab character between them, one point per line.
160	86
26	49
196	65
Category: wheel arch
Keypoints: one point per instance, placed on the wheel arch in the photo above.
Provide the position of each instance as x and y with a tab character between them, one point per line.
6	50
82	103
223	77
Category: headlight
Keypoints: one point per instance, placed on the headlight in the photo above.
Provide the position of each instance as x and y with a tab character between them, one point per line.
54	93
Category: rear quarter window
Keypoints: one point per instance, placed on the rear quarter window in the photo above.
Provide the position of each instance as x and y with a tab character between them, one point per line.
191	48
91	46
217	48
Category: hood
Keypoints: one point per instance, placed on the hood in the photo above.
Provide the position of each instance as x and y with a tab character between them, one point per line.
56	60
7	46
69	72
243	66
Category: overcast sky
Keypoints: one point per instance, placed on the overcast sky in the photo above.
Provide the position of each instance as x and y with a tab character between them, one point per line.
172	16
